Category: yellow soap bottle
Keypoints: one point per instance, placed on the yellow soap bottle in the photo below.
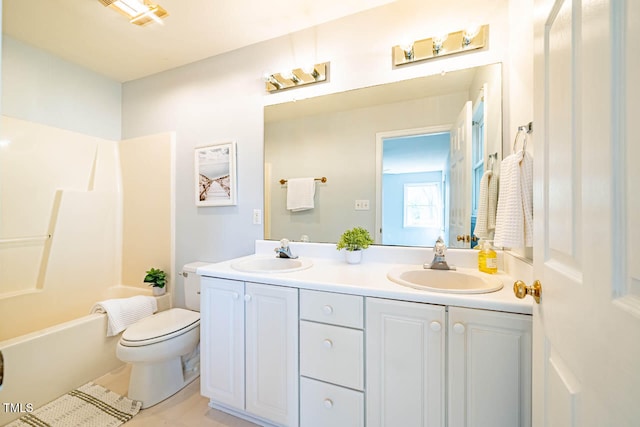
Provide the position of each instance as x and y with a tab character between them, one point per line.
487	258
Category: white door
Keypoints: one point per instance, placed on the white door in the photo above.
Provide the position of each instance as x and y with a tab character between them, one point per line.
272	353
587	209
460	169
222	341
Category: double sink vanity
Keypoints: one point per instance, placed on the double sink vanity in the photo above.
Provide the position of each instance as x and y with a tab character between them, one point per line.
314	341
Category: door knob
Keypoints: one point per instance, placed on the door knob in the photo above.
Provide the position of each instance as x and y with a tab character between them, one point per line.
466	238
522	290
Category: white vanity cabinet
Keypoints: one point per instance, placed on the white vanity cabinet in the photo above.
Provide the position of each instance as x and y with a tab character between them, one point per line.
331	360
489	368
405	363
485	357
249	349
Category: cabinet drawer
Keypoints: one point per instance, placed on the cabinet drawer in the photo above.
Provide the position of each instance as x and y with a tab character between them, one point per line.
332	353
335	309
323	405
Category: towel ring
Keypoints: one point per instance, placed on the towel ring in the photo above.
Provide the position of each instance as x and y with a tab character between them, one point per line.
522	130
492	159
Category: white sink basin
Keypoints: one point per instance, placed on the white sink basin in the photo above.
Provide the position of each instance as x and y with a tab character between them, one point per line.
271	264
459	281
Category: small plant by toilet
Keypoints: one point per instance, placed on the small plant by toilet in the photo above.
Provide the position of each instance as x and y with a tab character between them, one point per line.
157	279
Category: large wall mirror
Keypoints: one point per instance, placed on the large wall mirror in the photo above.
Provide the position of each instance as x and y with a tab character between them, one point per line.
403	160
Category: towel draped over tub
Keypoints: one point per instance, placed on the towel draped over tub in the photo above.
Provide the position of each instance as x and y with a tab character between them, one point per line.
124	312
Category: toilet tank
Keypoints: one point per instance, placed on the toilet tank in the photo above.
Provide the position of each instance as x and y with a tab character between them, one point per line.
192	285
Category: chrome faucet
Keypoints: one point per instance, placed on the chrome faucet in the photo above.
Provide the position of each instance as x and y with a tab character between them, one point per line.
284	251
439	262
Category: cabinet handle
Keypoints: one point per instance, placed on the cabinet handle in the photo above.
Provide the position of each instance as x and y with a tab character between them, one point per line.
458	328
235	295
327	343
435	326
247	297
328	403
327	309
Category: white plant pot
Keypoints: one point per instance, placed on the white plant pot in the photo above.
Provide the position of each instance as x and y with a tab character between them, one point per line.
158	291
353	257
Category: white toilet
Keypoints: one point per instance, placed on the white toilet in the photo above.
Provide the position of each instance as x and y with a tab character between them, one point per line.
163	349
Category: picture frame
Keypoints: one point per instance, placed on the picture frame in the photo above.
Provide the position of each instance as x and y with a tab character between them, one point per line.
215	175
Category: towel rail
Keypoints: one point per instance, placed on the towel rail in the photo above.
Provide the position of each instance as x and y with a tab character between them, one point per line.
323	179
26	239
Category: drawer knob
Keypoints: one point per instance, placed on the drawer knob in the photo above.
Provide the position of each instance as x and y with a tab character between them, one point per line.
435	326
327	309
328	403
458	328
235	295
327	343
247	297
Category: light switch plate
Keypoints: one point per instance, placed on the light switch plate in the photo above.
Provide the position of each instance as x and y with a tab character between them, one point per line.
257	216
362	205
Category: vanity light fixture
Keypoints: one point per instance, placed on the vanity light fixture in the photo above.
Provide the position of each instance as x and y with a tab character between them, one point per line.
139	12
297	77
445	44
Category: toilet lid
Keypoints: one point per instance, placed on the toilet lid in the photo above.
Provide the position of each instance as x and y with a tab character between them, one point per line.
161	326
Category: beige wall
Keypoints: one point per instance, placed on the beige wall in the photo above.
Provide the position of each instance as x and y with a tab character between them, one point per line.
147	215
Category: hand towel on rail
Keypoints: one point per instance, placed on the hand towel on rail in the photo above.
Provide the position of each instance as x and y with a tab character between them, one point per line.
300	193
514	219
124	312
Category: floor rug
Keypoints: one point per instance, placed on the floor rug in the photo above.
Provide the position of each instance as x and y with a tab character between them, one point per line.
88	406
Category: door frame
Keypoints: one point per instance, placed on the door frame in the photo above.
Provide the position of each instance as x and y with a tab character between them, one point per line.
380	137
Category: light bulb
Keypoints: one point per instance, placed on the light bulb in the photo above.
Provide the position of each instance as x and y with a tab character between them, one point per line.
469	34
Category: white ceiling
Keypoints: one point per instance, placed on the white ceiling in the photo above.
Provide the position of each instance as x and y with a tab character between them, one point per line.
98	38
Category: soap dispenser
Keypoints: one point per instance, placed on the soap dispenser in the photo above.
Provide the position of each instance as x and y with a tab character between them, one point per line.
487	258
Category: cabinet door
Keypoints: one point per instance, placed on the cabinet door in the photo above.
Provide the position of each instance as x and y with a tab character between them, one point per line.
405	344
272	353
222	341
489	368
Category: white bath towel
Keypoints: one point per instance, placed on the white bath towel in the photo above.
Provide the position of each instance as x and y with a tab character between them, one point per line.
492	202
124	312
300	193
487	202
514	218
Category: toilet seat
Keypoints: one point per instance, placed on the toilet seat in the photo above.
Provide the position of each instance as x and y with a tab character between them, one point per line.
159	327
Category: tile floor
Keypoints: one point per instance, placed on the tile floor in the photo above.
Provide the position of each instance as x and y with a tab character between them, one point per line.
187	408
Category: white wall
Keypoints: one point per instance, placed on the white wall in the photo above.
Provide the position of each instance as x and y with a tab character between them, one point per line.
43	88
221	98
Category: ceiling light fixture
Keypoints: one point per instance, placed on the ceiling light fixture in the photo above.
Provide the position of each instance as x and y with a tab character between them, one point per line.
139	12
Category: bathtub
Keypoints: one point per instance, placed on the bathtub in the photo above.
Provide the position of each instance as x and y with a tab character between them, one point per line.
40	366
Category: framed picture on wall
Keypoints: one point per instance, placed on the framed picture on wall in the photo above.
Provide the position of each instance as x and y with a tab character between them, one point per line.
216	175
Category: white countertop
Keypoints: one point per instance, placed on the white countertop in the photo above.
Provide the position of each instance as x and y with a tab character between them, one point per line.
369	278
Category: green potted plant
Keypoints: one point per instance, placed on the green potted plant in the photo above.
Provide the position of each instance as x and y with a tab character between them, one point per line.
354	241
157	279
